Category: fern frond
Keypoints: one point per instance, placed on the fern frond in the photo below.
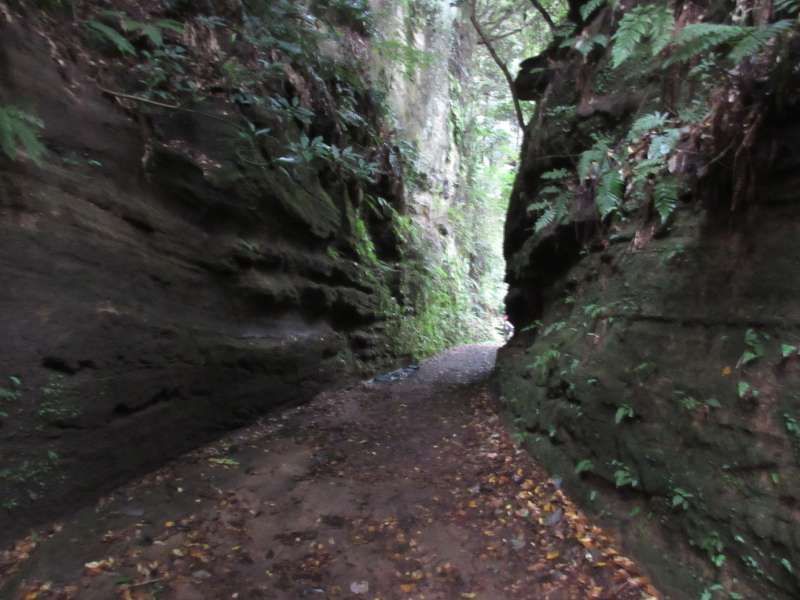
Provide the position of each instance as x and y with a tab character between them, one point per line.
545	219
538	206
597	154
662	145
18	127
662	26
112	35
756	38
699	38
555	175
787	7
609	193
550	190
589	8
665	197
644	169
7	138
644	124
633	28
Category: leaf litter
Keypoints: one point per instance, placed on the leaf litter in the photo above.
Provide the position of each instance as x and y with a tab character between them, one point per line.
412	490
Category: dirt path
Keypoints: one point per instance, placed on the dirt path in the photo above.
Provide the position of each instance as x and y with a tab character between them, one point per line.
406	489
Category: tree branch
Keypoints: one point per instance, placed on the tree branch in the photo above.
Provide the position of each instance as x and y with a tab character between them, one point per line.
545	15
501	36
502	66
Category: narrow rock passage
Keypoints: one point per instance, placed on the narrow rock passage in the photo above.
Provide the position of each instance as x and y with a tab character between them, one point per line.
405	489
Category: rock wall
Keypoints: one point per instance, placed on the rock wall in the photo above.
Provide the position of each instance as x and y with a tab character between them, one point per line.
655	370
169	272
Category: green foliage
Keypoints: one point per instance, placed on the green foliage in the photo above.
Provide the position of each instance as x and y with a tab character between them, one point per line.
554	207
713	546
609	192
624	411
745	390
584	466
345	161
680	498
687	401
595	158
111	35
285	109
19	128
792	425
623	476
788	8
546	361
152	31
665	196
697	39
585	44
754	348
646	123
786	564
590	7
653	22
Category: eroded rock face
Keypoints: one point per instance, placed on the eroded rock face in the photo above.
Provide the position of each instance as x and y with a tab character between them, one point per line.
146	309
656	369
158	289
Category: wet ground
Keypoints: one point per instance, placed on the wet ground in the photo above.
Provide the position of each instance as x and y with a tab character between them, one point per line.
403	487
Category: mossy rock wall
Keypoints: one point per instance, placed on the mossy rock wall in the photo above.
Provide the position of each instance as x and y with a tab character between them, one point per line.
167	277
655	367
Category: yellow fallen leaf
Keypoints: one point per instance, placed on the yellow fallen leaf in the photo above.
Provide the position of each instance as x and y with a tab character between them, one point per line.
407	588
726	371
169	524
553	555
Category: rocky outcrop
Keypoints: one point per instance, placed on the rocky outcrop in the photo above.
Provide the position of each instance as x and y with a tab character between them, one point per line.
162	282
655	370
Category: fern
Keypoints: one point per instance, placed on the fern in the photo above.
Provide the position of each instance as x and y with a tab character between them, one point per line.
555	175
662	25
662	145
548	217
589	8
665	197
609	193
556	203
633	28
655	22
643	170
20	128
110	34
555	212
596	155
152	31
755	39
541	205
646	123
787	7
700	38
